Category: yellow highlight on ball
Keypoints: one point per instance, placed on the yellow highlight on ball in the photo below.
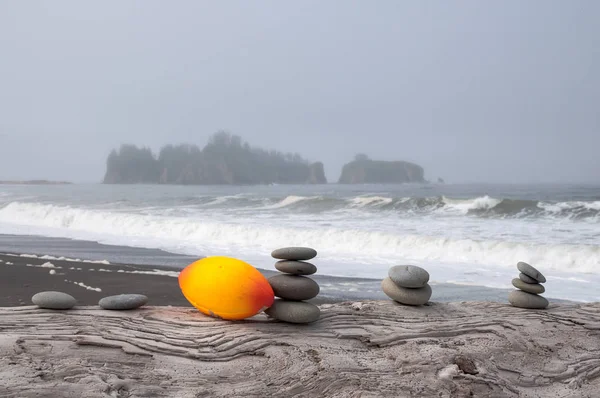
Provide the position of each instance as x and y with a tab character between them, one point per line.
225	287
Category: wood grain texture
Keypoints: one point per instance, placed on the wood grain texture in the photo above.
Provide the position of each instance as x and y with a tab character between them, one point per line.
361	349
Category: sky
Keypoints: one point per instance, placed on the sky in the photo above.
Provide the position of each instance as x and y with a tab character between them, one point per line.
505	91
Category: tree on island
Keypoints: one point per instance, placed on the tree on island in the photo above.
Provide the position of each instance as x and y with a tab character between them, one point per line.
226	159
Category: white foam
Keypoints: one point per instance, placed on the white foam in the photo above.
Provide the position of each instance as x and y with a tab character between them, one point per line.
47	265
368	246
52	272
363	201
96	289
48	257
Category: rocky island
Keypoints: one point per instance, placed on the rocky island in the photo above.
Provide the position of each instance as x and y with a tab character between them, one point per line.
363	170
226	159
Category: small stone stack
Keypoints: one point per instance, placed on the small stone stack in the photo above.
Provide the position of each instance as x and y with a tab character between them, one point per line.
529	282
407	284
292	286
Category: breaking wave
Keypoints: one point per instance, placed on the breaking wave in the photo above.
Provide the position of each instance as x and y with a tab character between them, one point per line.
195	235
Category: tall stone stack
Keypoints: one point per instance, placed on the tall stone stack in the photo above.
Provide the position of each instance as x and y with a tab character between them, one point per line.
292	286
407	284
529	285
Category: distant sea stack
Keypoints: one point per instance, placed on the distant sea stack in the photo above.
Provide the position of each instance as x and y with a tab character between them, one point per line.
363	170
226	159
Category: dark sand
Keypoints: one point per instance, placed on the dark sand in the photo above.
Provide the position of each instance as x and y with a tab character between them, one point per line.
22	277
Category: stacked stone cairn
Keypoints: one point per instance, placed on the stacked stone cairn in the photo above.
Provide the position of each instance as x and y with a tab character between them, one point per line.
292	286
407	284
529	285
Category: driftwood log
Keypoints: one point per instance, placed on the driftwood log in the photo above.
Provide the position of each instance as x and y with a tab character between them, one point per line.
361	349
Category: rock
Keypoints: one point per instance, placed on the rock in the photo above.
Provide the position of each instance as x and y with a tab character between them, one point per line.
123	302
523	299
54	300
466	364
534	288
526	279
403	295
293	311
295	267
409	276
294	287
294	253
531	272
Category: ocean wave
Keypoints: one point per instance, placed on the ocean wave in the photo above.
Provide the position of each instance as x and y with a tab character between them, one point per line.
200	236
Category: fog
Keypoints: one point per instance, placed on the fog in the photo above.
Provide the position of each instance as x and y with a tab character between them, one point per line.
473	91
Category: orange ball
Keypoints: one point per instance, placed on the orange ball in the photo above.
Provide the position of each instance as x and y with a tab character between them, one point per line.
225	287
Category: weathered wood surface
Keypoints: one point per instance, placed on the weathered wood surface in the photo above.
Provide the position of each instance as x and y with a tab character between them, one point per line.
368	349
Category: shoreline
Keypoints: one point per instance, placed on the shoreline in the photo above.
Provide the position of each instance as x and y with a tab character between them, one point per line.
20	248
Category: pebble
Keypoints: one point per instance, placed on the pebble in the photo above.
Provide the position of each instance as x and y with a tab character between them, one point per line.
123	302
296	267
403	295
294	253
294	287
531	272
526	279
293	311
409	276
522	299
54	300
534	288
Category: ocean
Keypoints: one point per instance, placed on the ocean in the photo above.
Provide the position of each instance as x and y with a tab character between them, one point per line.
467	236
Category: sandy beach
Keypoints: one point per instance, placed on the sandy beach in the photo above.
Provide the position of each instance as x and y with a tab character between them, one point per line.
358	348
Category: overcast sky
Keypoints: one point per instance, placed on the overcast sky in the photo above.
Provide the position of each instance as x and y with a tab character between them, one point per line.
503	91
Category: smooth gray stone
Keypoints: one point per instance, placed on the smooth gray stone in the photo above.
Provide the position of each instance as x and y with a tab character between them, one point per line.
531	272
534	288
294	253
54	300
294	287
123	302
409	276
526	279
296	267
293	311
403	295
522	299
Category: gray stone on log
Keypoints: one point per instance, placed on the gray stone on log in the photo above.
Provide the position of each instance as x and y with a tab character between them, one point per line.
54	300
526	279
534	288
409	276
294	287
293	311
294	253
123	302
296	267
523	299
403	295
531	272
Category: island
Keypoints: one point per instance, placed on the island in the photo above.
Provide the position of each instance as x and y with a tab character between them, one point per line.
363	170
226	159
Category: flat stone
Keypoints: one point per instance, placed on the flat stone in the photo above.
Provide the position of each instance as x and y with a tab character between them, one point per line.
294	287
531	272
526	279
294	253
534	288
409	276
54	300
123	302
403	295
295	267
523	299
293	311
